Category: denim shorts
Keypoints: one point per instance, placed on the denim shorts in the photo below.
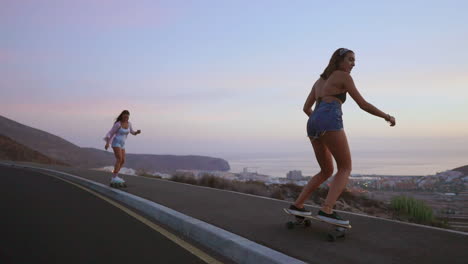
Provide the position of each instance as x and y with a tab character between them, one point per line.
326	117
118	142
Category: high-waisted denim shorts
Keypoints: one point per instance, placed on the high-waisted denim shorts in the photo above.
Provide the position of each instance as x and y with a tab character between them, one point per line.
326	117
118	142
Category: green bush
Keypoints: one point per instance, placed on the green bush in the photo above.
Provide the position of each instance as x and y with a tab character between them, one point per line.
415	210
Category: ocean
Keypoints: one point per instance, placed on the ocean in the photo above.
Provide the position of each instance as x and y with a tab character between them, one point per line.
370	163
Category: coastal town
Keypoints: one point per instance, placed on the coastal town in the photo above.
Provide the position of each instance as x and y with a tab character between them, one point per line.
449	182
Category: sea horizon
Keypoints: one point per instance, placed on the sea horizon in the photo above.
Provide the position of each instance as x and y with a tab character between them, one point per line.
370	163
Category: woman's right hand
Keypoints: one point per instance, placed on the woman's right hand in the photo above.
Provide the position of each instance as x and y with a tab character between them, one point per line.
106	147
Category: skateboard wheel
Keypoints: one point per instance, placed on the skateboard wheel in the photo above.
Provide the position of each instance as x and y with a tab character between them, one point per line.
331	238
340	234
341	229
307	223
290	225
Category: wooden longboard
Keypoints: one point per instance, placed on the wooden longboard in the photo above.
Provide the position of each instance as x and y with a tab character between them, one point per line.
315	218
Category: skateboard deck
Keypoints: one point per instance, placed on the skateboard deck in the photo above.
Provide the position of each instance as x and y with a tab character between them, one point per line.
338	232
315	218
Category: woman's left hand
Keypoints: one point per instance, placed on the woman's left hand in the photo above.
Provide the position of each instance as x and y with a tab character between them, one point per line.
390	119
138	132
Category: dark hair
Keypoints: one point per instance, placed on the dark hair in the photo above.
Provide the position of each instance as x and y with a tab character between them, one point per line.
119	118
335	60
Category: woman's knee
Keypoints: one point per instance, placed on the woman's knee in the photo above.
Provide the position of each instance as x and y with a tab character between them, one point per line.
327	172
345	169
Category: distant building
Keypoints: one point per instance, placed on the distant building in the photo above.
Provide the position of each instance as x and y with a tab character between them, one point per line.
245	175
294	175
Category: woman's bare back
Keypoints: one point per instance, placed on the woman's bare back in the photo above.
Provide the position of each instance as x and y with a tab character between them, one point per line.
325	89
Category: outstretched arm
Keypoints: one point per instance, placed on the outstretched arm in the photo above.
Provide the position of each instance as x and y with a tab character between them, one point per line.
310	101
363	104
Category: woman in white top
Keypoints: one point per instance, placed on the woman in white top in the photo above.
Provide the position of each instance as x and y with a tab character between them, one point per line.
116	138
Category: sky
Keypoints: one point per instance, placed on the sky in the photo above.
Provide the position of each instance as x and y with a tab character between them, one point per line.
229	78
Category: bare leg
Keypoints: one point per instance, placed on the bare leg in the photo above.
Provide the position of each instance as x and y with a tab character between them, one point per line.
118	159
122	158
337	143
325	161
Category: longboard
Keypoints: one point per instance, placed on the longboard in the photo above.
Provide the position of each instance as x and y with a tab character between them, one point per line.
118	185
339	231
315	218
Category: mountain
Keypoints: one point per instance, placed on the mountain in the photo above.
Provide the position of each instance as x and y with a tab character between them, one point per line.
12	150
462	169
59	149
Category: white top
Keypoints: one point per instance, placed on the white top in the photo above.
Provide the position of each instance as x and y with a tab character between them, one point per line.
111	134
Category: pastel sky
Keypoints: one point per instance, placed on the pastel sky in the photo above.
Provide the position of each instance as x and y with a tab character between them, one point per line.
225	77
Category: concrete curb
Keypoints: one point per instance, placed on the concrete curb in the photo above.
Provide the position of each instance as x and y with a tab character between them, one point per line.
232	246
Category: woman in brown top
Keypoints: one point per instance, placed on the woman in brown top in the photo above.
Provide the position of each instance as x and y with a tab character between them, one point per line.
326	133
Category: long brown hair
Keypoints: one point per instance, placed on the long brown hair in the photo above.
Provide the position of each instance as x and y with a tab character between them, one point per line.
335	60
119	118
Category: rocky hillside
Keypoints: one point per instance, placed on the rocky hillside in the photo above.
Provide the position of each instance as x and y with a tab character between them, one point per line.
463	169
59	149
12	150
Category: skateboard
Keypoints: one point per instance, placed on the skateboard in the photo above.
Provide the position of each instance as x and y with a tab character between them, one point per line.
338	232
117	185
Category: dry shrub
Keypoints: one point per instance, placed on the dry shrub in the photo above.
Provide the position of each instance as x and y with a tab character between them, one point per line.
254	188
319	195
184	178
359	200
251	187
213	182
291	190
277	193
144	173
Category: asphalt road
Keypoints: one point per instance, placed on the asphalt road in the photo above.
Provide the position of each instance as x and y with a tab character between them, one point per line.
263	221
46	220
